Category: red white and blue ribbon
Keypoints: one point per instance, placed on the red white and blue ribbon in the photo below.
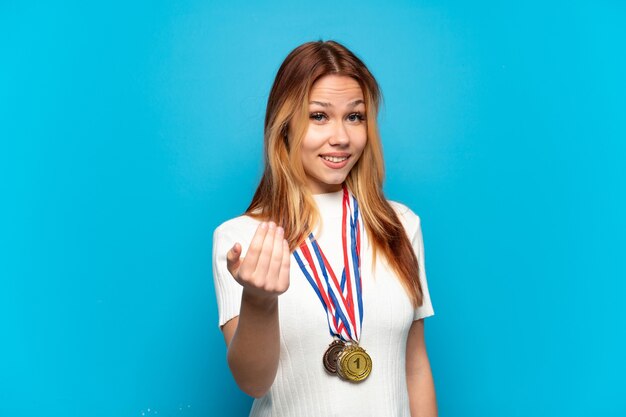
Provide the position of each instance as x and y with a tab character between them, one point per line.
341	296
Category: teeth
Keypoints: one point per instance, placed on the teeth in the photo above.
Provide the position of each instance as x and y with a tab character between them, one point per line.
335	158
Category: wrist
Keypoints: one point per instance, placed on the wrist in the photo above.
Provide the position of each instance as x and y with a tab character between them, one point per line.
259	303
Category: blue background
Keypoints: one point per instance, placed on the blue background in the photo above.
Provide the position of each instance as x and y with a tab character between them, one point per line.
130	131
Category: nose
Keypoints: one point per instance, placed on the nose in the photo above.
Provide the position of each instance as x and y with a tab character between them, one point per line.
339	136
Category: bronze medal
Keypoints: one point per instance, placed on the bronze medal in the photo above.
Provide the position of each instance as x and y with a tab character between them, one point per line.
330	356
354	364
344	351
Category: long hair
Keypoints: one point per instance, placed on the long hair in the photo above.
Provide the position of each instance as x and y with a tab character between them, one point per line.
283	195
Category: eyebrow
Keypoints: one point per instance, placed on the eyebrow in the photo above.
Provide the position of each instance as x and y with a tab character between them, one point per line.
323	104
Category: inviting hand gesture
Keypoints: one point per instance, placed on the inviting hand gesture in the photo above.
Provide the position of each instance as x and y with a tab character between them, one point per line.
264	272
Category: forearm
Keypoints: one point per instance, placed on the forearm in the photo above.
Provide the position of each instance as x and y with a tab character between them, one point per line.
421	388
254	350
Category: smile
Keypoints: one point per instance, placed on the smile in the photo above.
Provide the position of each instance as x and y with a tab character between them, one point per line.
334	158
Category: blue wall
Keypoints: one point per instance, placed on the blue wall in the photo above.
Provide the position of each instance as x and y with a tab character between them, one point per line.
130	131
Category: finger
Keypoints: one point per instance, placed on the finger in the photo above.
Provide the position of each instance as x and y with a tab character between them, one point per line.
277	257
232	258
249	264
266	253
283	276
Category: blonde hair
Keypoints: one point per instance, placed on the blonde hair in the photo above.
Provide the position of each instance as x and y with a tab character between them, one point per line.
283	195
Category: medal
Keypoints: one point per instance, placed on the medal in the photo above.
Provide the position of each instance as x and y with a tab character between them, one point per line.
354	364
342	300
330	356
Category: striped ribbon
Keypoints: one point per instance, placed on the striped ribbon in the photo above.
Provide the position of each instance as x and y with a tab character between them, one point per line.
342	299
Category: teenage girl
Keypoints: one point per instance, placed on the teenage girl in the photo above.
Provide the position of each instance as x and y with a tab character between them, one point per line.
321	283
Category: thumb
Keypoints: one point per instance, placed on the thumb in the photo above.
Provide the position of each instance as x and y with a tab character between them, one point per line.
232	257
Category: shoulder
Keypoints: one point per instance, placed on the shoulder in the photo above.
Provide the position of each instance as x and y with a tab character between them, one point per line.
238	227
410	220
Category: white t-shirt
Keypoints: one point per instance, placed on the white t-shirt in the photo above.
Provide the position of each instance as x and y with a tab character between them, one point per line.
302	387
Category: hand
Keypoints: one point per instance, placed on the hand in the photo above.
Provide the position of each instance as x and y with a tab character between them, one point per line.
264	272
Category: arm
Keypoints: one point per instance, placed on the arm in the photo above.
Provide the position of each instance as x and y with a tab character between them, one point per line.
419	377
253	338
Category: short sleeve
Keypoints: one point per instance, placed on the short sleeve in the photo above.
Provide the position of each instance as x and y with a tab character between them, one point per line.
413	225
227	290
426	309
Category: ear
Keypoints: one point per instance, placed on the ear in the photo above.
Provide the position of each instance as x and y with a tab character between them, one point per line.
285	133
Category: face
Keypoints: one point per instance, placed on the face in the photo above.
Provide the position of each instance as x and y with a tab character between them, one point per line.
336	134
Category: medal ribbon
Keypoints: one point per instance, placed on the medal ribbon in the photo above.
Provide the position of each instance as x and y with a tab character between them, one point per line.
344	317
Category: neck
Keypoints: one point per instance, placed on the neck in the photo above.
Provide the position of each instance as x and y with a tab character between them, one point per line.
326	189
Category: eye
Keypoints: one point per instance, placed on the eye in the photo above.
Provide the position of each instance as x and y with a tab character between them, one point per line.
318	117
356	117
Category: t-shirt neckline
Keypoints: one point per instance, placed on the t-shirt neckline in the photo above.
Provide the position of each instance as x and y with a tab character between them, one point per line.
329	202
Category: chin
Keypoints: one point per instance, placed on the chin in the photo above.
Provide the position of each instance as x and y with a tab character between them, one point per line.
328	180
334	181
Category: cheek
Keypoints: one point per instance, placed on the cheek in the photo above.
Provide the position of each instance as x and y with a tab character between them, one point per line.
314	139
318	132
360	139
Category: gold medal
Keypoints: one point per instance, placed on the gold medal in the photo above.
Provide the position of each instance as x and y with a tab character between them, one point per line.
354	364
